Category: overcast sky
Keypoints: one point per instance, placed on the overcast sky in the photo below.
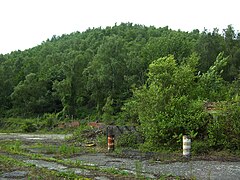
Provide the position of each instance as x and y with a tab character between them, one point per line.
27	23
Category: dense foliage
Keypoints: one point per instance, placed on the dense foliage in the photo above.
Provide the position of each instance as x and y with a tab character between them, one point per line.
155	77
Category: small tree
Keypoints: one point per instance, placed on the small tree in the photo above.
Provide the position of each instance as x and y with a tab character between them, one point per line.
171	103
166	104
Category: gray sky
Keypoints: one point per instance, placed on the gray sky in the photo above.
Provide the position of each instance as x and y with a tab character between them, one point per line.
27	23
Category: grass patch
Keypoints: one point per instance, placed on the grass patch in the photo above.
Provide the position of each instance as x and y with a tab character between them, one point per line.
13	147
64	150
8	164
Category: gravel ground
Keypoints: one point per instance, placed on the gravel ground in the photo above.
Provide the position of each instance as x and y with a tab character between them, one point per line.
200	169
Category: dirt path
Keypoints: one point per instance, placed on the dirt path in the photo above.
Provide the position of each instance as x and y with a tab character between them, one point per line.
148	168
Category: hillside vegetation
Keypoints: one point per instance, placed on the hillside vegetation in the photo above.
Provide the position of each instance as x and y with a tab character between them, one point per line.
156	78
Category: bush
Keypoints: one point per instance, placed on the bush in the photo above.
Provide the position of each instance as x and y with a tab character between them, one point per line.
29	127
224	129
128	140
50	120
11	125
102	140
200	147
79	134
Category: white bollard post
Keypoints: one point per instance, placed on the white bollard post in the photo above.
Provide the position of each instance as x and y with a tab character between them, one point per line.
186	146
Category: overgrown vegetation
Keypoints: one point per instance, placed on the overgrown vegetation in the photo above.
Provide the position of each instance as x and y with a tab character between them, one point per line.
157	78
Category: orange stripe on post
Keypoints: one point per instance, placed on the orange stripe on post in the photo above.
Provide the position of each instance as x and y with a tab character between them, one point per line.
110	143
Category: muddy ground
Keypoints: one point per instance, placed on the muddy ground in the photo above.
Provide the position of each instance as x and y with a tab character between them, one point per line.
131	162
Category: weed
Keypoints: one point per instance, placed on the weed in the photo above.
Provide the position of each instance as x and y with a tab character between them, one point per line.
128	140
5	160
192	177
209	174
50	149
118	151
12	146
138	169
151	161
68	150
62	150
200	147
102	141
29	127
78	163
36	156
68	174
114	171
169	176
78	134
7	163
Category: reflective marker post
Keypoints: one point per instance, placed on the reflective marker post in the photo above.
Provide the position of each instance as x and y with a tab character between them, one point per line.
110	139
111	143
186	146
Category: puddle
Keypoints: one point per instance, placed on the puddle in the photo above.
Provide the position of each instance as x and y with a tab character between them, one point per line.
35	150
15	174
78	171
104	161
48	165
33	137
58	167
150	176
198	169
101	178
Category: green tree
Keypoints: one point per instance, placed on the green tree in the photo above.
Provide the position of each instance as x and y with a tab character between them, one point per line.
165	105
232	50
105	74
29	96
71	90
212	86
208	46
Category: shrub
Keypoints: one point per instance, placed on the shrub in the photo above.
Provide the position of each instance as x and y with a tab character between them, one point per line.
200	147
68	150
130	140
50	120
29	127
12	125
224	129
102	140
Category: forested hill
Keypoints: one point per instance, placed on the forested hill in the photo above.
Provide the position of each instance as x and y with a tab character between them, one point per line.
93	73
